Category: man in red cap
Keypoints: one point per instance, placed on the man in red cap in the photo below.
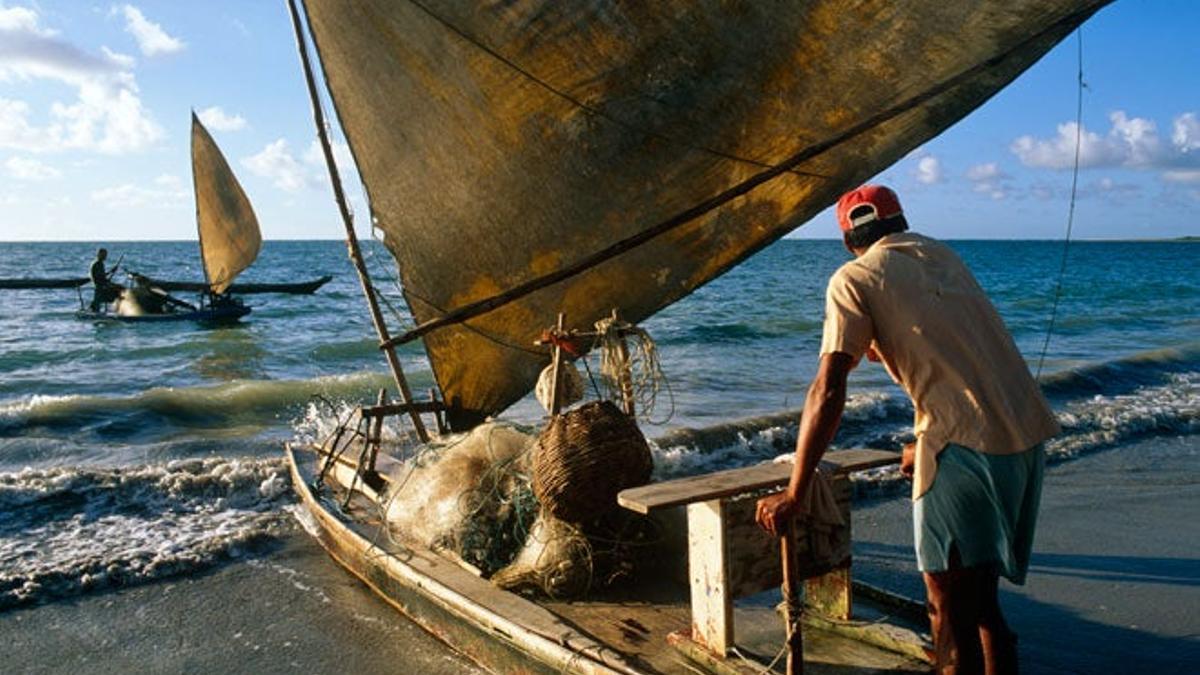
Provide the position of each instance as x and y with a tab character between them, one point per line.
980	419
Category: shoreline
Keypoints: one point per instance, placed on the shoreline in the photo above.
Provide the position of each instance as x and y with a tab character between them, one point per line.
1113	578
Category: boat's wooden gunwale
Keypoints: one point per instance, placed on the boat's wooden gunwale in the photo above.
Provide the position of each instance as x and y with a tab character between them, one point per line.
499	630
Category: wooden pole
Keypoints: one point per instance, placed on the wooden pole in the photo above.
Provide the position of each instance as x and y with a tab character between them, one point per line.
791	602
437	414
625	377
556	363
364	278
376	439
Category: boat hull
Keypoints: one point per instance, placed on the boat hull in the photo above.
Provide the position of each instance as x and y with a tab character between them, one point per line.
628	629
498	630
220	315
298	288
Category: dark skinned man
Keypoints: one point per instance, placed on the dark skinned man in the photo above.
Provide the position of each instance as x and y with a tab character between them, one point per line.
909	302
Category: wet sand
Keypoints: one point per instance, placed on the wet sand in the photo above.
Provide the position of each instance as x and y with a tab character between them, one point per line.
284	610
1114	584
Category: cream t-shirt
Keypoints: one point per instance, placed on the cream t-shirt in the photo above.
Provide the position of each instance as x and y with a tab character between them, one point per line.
913	301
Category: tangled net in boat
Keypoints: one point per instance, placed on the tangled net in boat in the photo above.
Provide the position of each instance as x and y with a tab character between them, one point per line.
468	496
471	498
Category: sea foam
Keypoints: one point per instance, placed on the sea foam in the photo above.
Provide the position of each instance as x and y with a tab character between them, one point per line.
72	530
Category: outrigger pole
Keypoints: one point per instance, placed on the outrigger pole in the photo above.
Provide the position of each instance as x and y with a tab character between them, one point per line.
351	238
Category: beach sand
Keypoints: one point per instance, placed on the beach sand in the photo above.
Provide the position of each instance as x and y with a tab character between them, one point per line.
289	609
1114	586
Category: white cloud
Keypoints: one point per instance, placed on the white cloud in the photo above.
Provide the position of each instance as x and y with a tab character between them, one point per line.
169	180
216	118
168	192
277	163
929	170
989	179
23	168
21	19
1186	133
341	156
1182	176
151	37
1131	142
123	61
107	115
1111	189
1059	152
982	172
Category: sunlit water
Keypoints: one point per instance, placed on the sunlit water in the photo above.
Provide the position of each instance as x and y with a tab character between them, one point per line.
133	452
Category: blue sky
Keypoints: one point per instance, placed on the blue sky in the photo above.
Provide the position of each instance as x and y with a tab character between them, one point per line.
95	102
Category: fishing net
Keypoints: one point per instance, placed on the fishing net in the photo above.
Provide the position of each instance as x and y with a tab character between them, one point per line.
584	457
468	496
556	560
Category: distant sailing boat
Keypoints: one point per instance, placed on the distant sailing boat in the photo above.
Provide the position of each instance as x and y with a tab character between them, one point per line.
229	243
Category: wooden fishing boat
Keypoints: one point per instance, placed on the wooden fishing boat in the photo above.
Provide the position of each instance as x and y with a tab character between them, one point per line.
293	288
34	283
290	288
229	311
531	160
229	242
652	625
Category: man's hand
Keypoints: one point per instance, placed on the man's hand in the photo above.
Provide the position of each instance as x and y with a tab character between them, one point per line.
908	459
774	512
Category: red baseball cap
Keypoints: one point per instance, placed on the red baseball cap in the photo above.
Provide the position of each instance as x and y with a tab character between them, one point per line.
882	201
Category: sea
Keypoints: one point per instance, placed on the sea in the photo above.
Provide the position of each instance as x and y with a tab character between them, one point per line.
140	454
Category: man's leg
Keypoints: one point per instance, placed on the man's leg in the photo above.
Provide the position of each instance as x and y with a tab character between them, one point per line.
999	643
955	615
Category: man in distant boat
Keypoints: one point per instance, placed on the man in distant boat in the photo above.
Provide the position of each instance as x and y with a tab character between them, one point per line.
909	302
104	290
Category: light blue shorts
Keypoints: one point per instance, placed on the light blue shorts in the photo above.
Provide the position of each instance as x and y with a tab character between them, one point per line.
985	506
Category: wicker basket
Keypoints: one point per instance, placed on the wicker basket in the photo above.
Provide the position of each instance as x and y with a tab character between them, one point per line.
584	457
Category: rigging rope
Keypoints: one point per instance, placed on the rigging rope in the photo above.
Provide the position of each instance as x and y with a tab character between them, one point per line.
1062	268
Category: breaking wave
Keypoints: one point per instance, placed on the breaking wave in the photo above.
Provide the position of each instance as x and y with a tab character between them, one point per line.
68	531
232	404
1099	407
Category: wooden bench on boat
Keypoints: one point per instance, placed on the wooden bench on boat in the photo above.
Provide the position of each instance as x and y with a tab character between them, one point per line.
730	557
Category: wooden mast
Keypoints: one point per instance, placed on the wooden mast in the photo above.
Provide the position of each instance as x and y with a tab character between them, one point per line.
351	238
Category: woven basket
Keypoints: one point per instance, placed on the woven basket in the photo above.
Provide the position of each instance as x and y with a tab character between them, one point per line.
584	457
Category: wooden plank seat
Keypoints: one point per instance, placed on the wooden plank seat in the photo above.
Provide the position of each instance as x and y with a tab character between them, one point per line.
730	557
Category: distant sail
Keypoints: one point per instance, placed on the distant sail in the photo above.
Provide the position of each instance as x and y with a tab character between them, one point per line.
229	234
500	142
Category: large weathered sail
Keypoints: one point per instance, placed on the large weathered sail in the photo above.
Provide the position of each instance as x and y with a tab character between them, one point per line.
503	141
229	234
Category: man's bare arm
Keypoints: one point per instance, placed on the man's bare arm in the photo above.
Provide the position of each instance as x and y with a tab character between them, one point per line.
822	414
